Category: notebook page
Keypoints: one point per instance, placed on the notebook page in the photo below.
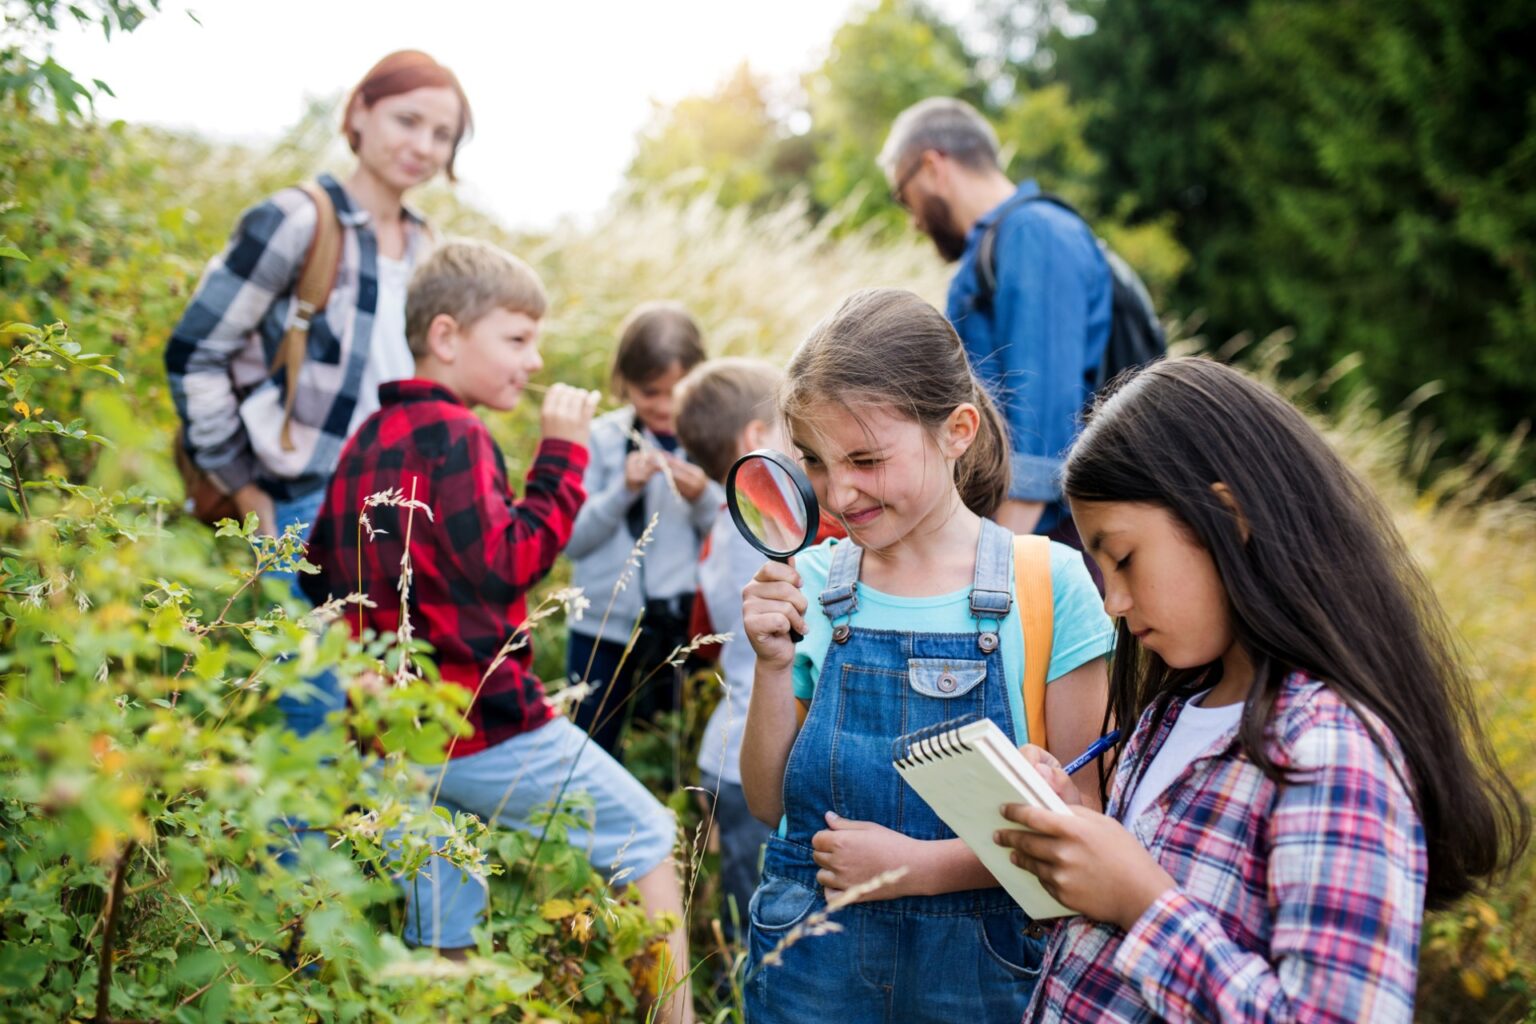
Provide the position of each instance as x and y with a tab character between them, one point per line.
966	790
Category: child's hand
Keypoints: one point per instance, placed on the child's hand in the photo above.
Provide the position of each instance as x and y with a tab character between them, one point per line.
567	413
850	853
772	605
1087	861
690	479
639	466
1050	770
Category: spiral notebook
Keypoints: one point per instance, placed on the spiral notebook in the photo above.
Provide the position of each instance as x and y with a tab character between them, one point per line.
966	769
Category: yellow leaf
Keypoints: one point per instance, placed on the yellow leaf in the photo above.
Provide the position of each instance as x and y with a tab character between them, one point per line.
1473	983
1489	916
554	910
103	843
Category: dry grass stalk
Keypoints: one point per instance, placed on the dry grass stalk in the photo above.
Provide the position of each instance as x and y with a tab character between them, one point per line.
661	462
404	671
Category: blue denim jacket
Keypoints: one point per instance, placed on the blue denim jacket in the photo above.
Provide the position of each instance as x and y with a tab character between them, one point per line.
1039	345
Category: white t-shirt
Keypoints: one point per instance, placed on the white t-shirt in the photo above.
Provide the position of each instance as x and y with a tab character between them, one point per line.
1193	733
389	355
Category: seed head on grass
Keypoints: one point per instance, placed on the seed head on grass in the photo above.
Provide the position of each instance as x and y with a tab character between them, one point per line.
392	496
330	611
821	923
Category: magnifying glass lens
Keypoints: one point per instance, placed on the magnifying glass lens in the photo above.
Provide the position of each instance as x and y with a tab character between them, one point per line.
770	506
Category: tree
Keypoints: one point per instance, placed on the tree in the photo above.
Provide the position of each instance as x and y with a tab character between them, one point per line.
1389	162
878	65
1365	172
23	76
729	141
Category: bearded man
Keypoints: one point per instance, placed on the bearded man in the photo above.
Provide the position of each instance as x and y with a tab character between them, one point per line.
1036	331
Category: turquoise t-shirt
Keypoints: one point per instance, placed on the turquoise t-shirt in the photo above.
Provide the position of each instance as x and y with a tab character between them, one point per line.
1082	631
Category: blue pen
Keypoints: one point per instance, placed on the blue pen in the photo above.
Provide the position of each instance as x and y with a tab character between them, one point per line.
1098	747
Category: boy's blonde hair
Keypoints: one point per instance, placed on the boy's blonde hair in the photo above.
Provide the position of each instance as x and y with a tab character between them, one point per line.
466	279
716	402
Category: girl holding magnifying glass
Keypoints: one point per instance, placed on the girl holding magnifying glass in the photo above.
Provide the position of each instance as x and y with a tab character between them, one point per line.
909	623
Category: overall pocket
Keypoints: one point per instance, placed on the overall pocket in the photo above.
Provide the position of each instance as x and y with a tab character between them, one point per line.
945	678
779	904
1002	936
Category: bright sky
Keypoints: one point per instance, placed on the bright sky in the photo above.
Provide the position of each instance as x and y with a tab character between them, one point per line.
559	89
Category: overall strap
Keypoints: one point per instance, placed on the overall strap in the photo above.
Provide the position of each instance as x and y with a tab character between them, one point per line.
991	596
841	596
840	599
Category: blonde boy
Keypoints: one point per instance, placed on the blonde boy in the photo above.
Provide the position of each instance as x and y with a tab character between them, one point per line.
472	321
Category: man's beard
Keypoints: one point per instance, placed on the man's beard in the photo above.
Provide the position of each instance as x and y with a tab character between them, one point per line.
939	222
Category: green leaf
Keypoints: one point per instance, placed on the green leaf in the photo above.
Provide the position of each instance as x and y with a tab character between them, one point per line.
11	252
21	967
198	966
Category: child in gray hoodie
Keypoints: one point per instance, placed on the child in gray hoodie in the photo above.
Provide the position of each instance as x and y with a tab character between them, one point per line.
638	474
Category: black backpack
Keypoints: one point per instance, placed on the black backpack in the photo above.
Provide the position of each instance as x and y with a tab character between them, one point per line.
1135	334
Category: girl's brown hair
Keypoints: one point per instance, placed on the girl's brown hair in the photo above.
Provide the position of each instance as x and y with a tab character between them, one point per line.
655	337
886	346
1318	580
401	72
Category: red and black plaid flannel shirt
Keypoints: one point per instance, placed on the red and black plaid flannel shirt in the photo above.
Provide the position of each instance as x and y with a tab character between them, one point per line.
472	563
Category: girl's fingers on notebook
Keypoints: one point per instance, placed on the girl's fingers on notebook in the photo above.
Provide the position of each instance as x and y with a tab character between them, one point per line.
1051	771
1086	860
1039	756
1037	819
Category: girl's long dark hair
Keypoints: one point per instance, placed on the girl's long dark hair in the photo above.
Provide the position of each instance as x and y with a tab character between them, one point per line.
1323	583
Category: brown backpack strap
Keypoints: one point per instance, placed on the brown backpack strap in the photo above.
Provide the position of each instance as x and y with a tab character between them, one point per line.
317	276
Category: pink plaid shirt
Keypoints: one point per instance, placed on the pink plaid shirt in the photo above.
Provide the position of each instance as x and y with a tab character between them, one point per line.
1299	902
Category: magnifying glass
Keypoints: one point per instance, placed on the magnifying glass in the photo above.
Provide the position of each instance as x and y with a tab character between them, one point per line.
773	505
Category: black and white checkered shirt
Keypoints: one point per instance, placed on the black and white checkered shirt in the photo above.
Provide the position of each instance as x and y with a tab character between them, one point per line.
218	356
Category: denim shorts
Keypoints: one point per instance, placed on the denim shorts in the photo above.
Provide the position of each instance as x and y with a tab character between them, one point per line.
630	832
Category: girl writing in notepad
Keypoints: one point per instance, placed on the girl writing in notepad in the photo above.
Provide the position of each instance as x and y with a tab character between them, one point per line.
1307	772
912	621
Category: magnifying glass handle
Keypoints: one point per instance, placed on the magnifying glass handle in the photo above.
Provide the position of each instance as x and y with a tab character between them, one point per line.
795	636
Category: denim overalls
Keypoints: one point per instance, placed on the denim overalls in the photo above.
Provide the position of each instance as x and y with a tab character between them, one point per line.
960	957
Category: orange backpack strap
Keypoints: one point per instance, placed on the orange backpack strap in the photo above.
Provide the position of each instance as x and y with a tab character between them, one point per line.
1032	585
802	708
317	276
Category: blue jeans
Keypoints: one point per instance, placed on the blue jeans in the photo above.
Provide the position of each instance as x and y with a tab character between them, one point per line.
305	713
629	832
959	956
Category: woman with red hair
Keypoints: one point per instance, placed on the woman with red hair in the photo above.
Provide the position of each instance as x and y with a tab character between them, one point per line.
270	451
